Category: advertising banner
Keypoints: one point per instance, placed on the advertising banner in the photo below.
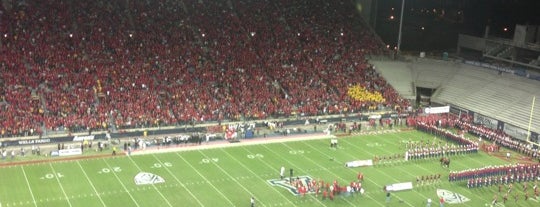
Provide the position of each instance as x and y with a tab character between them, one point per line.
69	152
35	141
486	121
515	132
82	138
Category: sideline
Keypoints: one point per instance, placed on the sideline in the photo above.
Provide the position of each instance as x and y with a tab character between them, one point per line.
225	144
205	145
58	159
175	148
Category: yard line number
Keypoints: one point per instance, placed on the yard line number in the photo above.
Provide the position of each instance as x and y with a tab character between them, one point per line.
160	165
208	160
52	176
253	156
106	170
297	152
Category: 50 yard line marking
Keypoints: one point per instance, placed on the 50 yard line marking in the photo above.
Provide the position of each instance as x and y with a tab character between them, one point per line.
256	175
296	166
177	180
92	184
121	183
153	185
229	175
199	173
60	184
29	187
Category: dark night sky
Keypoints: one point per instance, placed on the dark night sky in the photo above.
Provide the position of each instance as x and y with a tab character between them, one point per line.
461	16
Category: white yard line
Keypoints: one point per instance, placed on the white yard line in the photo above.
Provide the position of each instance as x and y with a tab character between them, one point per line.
29	187
229	175
247	168
153	185
60	184
92	184
121	183
207	181
178	180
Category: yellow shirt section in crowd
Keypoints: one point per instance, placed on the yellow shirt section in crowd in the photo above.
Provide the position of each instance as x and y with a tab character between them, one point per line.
359	93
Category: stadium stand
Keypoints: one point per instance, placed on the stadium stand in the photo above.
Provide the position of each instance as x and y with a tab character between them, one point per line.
110	65
401	75
505	97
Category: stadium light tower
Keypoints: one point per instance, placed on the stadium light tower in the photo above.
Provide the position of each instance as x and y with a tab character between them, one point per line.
400	26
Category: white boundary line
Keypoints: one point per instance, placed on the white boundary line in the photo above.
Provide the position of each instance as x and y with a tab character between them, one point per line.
243	142
178	180
121	183
29	187
199	173
92	184
153	185
60	184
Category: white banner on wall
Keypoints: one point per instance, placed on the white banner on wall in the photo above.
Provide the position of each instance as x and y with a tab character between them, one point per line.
437	110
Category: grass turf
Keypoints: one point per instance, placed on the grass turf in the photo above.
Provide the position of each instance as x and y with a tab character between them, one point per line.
230	176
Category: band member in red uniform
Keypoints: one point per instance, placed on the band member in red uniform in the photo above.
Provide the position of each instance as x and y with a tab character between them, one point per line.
360	177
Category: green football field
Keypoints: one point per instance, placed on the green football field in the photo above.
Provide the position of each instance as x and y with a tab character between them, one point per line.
231	176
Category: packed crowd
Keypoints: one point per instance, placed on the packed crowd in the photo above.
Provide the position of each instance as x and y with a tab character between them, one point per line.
70	65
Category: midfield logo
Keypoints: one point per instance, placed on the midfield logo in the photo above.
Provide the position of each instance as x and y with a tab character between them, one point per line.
144	178
285	183
451	197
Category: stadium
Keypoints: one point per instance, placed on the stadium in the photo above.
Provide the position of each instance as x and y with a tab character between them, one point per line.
267	103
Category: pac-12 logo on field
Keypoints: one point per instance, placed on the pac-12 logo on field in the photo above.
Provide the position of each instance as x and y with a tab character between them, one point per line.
285	183
144	178
451	197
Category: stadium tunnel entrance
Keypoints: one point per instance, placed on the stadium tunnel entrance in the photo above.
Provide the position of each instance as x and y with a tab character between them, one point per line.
423	96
